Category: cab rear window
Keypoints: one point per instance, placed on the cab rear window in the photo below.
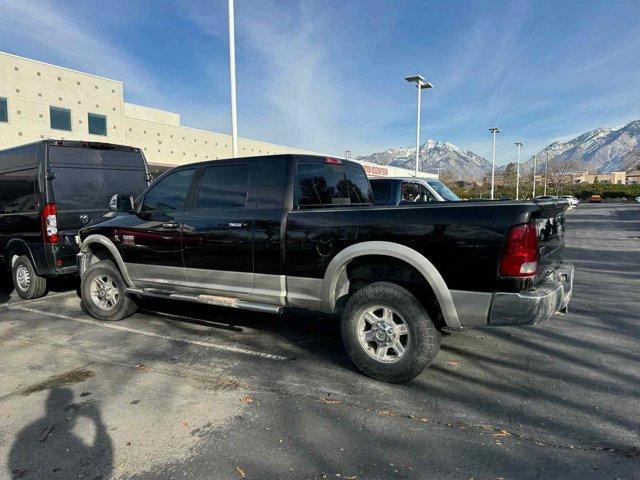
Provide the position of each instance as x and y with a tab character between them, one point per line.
328	185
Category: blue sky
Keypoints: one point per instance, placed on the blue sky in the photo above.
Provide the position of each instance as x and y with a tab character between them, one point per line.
328	75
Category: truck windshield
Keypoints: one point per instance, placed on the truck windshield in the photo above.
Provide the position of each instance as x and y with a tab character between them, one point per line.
325	185
443	191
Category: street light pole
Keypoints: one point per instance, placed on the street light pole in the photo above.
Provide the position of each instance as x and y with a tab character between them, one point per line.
519	145
232	75
493	160
535	167
421	84
546	167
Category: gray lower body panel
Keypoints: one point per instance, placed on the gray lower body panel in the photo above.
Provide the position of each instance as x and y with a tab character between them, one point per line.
304	292
256	287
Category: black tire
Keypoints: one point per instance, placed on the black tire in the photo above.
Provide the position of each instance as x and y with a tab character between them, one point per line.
123	307
422	341
28	284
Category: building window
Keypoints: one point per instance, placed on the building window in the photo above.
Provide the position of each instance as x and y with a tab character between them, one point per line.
60	118
97	124
4	114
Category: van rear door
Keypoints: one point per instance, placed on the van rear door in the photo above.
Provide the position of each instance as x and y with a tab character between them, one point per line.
85	178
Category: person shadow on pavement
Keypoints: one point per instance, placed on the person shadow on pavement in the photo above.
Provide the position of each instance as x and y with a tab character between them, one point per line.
49	449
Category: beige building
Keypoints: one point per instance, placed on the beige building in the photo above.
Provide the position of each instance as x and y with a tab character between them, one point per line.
39	101
617	178
633	177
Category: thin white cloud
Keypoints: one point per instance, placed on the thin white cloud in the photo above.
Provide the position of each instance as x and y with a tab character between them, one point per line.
46	29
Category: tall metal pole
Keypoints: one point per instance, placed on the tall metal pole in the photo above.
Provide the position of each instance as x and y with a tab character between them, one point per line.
232	75
493	160
519	145
546	167
418	130
535	167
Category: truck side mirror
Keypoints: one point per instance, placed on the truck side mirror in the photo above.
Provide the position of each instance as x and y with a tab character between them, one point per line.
121	202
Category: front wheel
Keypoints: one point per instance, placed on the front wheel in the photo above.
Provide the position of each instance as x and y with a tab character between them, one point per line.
103	293
388	334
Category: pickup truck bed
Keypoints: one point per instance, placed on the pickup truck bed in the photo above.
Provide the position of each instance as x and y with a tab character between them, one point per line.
300	231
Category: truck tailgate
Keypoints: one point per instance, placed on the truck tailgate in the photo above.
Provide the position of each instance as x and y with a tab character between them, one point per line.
550	226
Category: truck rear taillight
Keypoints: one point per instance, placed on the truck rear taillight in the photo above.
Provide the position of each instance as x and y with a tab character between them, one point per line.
333	161
50	224
520	256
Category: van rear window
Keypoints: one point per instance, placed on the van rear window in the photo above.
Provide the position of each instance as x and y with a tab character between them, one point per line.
80	188
92	188
74	156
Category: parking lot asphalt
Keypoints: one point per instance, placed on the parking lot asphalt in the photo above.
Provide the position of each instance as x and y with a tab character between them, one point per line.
188	391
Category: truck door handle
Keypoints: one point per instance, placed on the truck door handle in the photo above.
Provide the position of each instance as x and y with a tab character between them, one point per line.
238	225
171	225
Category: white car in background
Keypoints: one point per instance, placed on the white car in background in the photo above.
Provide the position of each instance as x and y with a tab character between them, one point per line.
637	199
573	201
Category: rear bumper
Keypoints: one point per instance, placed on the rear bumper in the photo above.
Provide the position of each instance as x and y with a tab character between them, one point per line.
551	296
524	308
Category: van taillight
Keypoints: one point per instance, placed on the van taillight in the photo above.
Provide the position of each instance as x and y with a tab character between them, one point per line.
50	223
520	257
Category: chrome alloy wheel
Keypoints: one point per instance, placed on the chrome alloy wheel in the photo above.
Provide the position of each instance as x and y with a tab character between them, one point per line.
23	277
383	334
104	292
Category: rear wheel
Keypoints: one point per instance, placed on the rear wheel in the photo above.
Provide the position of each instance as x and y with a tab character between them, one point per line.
388	334
103	294
27	282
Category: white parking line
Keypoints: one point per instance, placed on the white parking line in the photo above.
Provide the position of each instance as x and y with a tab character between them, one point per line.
122	328
47	297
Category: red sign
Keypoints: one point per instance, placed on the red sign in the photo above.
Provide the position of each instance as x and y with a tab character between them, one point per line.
374	170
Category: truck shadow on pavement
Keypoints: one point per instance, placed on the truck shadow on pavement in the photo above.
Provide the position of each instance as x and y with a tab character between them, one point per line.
50	447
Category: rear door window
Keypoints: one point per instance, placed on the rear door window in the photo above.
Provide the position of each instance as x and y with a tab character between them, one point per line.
324	184
224	186
170	192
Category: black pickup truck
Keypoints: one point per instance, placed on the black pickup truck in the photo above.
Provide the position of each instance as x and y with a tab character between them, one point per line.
265	233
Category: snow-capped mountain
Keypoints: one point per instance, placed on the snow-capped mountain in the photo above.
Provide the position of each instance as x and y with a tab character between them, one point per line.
604	149
446	157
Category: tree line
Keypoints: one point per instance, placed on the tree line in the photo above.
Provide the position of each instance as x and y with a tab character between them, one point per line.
559	181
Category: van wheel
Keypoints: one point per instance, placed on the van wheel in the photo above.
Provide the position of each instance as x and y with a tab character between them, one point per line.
388	334
28	284
103	293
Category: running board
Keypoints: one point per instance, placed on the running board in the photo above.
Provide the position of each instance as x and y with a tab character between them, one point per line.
208	300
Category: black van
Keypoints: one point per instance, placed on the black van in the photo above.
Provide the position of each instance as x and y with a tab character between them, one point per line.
48	191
